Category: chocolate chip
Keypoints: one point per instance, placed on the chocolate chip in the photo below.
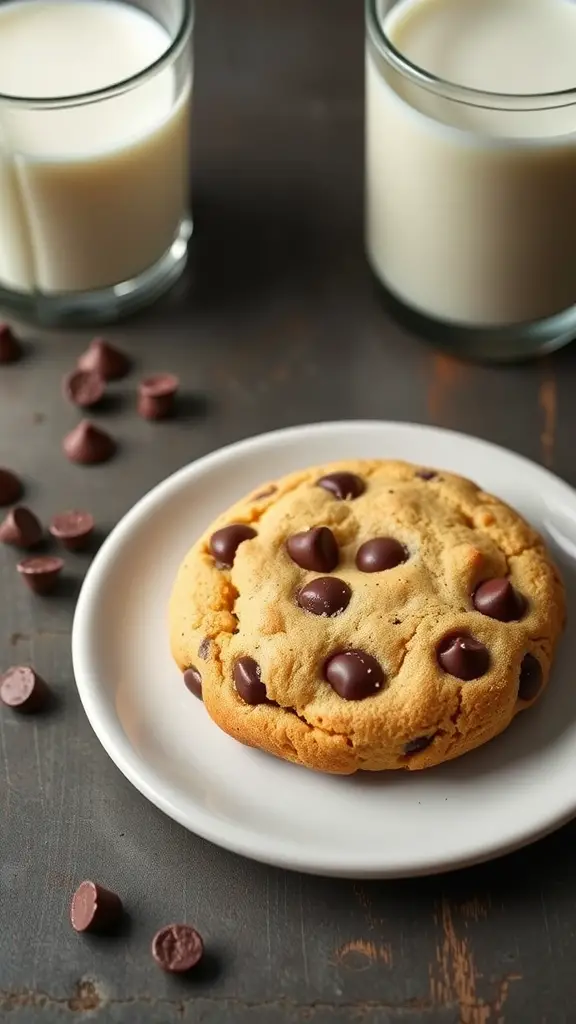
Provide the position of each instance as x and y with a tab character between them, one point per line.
87	444
204	648
379	554
498	599
10	347
326	595
225	543
156	396
463	656
95	909
177	948
193	681
84	388
426	474
21	528
343	485
73	529
24	690
314	549
41	573
248	681
418	744
354	675
531	678
105	360
10	487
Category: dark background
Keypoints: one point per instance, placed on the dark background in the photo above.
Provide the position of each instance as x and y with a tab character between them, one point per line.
277	323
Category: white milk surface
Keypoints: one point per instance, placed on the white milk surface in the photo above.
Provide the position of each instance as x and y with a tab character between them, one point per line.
92	195
471	211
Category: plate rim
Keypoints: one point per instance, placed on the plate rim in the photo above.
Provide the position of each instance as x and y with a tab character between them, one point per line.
146	780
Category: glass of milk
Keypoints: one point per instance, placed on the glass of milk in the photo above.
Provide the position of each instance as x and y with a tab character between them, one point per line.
94	154
471	170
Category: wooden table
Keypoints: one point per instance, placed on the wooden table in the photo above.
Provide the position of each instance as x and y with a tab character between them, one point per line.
281	325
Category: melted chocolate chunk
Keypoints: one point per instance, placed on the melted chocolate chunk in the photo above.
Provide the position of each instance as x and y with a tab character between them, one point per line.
463	656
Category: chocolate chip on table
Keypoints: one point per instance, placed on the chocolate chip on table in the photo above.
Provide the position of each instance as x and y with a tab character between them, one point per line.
531	678
379	554
22	689
110	363
177	948
418	744
224	543
247	677
88	445
10	487
41	573
314	549
463	656
156	395
10	347
84	388
326	595
95	909
73	529
498	599
342	485
193	681
204	648
354	675
21	528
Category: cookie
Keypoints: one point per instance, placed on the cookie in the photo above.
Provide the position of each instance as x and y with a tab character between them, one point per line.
367	615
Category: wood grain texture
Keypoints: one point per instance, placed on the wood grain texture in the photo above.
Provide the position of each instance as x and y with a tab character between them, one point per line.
277	323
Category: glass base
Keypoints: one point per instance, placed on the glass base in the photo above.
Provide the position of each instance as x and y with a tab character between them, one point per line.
512	344
104	305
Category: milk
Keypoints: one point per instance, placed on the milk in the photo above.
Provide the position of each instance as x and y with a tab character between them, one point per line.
93	194
471	211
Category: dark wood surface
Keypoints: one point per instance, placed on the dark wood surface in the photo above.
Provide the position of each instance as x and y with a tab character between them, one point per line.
278	323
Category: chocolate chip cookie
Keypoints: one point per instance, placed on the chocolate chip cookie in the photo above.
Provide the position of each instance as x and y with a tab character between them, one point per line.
367	615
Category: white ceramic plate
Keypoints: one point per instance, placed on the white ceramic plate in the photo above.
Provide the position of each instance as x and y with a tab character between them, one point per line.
517	788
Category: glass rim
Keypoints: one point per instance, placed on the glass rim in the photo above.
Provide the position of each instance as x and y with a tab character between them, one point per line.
117	88
452	90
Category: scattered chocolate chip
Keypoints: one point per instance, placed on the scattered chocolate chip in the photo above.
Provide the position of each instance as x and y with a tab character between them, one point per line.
354	675
266	494
418	744
10	347
498	599
225	543
41	573
10	487
21	528
463	656
426	474
73	529
108	362
342	485
531	678
156	396
248	681
379	554
24	690
193	681
326	595
314	549
95	909
177	948
87	444
204	648
84	388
